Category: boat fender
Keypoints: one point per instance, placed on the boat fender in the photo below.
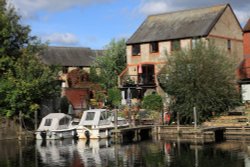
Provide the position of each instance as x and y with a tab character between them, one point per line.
87	134
75	134
43	134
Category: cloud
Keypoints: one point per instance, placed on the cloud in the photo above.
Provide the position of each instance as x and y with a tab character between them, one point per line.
61	39
30	8
153	7
148	7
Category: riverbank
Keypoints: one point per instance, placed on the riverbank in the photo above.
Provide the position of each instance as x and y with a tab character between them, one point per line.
236	126
10	129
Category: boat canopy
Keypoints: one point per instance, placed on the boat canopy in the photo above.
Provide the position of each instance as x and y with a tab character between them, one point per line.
95	117
55	121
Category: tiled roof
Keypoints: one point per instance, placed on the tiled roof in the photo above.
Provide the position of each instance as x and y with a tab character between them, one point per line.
178	25
247	27
70	56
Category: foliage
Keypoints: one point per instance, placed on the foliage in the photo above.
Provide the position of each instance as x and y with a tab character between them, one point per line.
203	77
149	114
26	85
100	96
93	76
152	102
13	37
24	79
114	97
111	64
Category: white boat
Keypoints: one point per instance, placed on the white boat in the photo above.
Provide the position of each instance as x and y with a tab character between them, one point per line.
95	124
56	126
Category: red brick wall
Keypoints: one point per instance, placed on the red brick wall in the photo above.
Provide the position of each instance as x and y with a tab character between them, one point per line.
246	43
77	97
246	48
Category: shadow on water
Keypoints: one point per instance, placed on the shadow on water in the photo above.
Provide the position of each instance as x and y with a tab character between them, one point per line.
148	153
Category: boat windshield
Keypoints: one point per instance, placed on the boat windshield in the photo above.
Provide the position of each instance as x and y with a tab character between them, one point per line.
90	116
64	121
105	115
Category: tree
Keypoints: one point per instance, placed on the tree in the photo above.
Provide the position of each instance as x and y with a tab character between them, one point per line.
24	87
203	77
111	64
114	97
24	79
13	37
152	102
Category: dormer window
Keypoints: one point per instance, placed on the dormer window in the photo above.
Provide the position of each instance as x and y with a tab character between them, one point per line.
154	47
175	45
136	50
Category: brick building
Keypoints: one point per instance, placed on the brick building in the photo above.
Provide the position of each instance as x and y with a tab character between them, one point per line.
245	66
164	33
74	76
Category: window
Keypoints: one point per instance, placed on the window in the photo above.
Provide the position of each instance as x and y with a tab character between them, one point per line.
104	115
175	45
48	122
228	44
136	50
90	116
154	47
65	70
64	121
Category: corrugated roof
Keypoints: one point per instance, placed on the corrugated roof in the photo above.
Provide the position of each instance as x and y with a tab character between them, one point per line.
177	25
247	26
70	56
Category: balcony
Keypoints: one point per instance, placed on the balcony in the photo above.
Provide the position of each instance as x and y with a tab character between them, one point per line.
142	80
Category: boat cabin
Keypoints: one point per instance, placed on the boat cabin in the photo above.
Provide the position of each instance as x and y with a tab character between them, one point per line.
94	118
54	121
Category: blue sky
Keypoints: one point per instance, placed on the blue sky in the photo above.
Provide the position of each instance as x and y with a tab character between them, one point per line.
93	23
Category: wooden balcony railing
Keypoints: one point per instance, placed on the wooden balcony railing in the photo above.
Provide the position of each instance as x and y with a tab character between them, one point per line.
133	80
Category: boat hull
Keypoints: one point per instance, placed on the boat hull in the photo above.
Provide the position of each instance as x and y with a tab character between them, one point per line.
56	134
97	133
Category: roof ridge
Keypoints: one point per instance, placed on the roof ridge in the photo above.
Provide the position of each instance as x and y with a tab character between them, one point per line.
74	47
247	26
190	9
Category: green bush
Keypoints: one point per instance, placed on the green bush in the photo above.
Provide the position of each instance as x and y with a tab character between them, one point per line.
152	102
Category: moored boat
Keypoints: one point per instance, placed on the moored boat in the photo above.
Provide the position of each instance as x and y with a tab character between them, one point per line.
95	124
56	126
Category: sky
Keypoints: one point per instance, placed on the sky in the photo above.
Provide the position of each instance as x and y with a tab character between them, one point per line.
94	23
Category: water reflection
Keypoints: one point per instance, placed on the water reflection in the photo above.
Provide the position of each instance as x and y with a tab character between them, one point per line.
101	153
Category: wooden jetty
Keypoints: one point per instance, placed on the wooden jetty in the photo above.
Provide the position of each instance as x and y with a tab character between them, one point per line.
189	133
137	133
200	134
129	134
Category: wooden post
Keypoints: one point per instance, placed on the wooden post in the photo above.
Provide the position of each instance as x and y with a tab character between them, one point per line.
178	122
115	117
20	126
129	106
195	118
35	120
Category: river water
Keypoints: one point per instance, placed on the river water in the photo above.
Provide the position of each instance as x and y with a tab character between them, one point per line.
101	153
